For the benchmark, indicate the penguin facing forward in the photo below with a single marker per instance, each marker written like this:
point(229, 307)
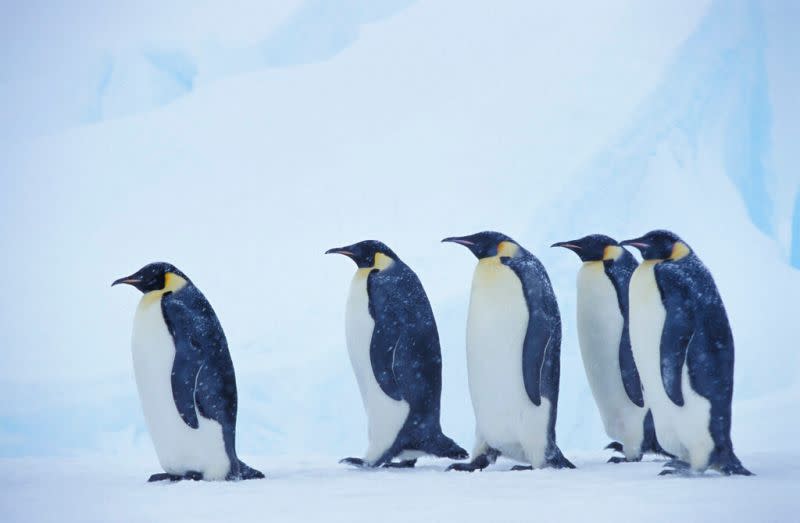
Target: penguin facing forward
point(602, 296)
point(185, 378)
point(394, 350)
point(513, 355)
point(683, 348)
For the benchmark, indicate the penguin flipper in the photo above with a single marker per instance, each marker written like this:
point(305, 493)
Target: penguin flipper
point(619, 272)
point(203, 379)
point(382, 354)
point(542, 346)
point(630, 375)
point(185, 368)
point(677, 333)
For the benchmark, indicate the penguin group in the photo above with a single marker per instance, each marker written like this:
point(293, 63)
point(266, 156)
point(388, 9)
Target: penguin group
point(654, 338)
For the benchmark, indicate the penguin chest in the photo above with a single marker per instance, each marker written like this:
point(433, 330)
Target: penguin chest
point(179, 447)
point(496, 328)
point(600, 325)
point(385, 415)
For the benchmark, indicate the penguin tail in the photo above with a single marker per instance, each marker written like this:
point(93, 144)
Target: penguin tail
point(247, 472)
point(444, 447)
point(556, 459)
point(728, 464)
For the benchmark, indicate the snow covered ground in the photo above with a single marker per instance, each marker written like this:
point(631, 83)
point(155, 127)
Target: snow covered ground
point(304, 489)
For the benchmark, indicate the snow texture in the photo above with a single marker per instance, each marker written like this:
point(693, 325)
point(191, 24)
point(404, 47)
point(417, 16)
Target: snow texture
point(311, 489)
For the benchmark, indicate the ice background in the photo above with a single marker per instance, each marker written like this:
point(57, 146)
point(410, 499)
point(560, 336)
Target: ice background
point(241, 140)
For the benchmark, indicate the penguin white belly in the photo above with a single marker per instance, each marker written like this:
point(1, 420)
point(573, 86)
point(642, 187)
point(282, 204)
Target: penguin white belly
point(385, 415)
point(681, 430)
point(179, 447)
point(506, 418)
point(600, 324)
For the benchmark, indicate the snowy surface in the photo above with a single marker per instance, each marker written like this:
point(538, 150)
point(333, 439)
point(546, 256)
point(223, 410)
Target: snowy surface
point(305, 489)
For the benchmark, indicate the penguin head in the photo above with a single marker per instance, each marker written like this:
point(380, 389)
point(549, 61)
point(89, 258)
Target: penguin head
point(487, 244)
point(660, 245)
point(158, 276)
point(367, 254)
point(595, 247)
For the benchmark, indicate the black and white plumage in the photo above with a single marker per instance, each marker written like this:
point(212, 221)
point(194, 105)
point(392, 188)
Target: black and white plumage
point(683, 347)
point(393, 344)
point(513, 355)
point(603, 334)
point(185, 378)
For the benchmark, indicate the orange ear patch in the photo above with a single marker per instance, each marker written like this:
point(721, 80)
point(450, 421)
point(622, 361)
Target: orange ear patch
point(382, 261)
point(612, 252)
point(679, 250)
point(507, 249)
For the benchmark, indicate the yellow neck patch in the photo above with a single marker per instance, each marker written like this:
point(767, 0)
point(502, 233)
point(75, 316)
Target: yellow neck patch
point(612, 252)
point(382, 261)
point(507, 249)
point(679, 250)
point(172, 283)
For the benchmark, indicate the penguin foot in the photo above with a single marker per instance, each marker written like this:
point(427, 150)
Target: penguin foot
point(615, 446)
point(623, 459)
point(676, 467)
point(479, 463)
point(673, 472)
point(521, 467)
point(404, 464)
point(165, 476)
point(677, 464)
point(355, 462)
point(466, 467)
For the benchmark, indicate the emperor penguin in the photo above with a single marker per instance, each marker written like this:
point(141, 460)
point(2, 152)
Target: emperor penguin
point(604, 340)
point(185, 378)
point(394, 350)
point(683, 348)
point(513, 355)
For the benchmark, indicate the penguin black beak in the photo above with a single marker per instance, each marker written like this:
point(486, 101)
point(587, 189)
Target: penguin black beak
point(130, 280)
point(458, 239)
point(635, 242)
point(567, 245)
point(340, 250)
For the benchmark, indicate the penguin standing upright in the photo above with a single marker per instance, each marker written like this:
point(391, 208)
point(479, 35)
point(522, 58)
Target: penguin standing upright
point(605, 344)
point(683, 347)
point(185, 378)
point(513, 355)
point(394, 349)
